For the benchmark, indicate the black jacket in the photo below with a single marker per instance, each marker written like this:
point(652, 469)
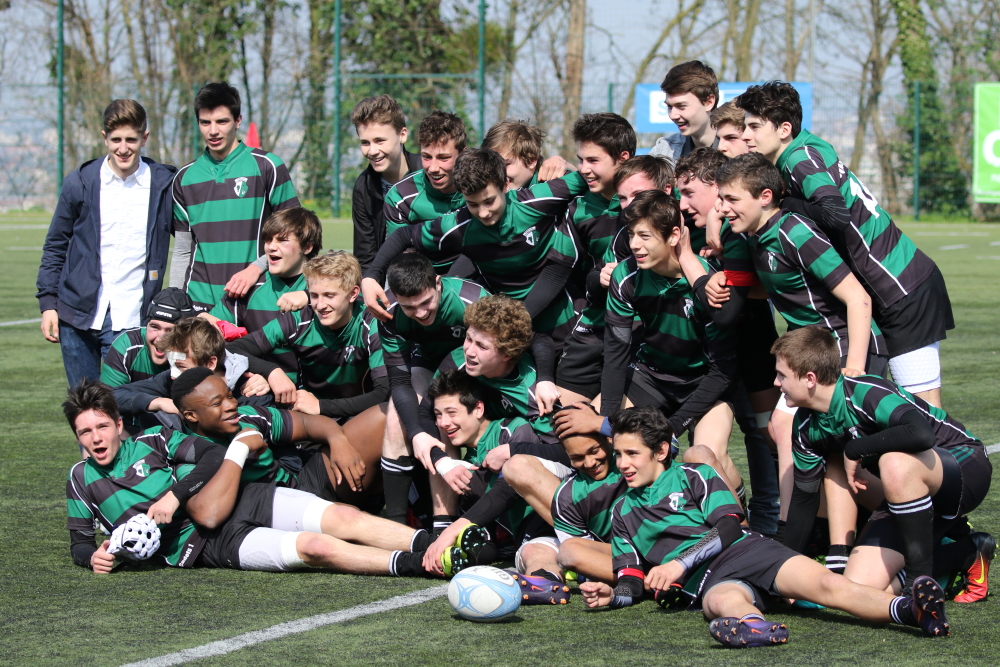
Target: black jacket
point(369, 221)
point(69, 278)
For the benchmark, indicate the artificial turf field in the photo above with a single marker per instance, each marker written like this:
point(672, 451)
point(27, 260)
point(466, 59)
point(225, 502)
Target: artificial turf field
point(55, 613)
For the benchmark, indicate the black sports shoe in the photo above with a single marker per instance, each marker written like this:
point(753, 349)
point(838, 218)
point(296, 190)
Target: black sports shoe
point(928, 607)
point(734, 632)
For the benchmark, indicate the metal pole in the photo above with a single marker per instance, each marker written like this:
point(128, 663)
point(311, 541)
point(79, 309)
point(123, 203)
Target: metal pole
point(60, 98)
point(195, 142)
point(916, 150)
point(336, 109)
point(482, 69)
point(611, 98)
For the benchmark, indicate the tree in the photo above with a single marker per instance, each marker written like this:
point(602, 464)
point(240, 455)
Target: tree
point(571, 74)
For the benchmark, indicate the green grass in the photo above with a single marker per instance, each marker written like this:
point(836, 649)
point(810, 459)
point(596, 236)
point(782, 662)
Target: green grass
point(54, 613)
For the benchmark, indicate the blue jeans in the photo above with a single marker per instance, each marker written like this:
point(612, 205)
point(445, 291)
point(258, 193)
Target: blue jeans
point(763, 505)
point(83, 349)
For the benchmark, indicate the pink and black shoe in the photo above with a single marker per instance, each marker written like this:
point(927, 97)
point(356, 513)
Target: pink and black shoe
point(539, 590)
point(750, 631)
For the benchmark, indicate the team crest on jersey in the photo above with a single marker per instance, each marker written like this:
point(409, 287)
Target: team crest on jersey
point(506, 403)
point(772, 261)
point(529, 235)
point(854, 432)
point(141, 469)
point(458, 332)
point(240, 188)
point(676, 500)
point(688, 308)
point(349, 353)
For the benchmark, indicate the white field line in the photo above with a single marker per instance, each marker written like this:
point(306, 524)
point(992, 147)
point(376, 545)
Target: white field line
point(10, 228)
point(957, 246)
point(993, 449)
point(14, 322)
point(292, 627)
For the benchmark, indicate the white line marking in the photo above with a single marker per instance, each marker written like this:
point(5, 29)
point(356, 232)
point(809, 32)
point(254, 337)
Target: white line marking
point(987, 256)
point(225, 646)
point(993, 449)
point(954, 247)
point(994, 242)
point(24, 247)
point(8, 228)
point(13, 322)
point(951, 234)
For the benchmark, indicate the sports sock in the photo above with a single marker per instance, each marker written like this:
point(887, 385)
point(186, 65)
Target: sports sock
point(420, 541)
point(547, 574)
point(442, 521)
point(752, 617)
point(836, 558)
point(407, 564)
point(397, 476)
point(901, 610)
point(741, 495)
point(915, 524)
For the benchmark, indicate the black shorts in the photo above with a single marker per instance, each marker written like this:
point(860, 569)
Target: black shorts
point(754, 335)
point(582, 361)
point(967, 476)
point(754, 562)
point(645, 390)
point(918, 319)
point(875, 365)
point(315, 479)
point(254, 509)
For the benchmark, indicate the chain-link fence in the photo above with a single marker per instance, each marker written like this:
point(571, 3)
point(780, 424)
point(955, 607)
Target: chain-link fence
point(880, 153)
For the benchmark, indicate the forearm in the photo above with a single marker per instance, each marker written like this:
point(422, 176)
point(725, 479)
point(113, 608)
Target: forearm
point(721, 537)
point(494, 504)
point(540, 450)
point(81, 548)
point(859, 319)
point(551, 281)
point(912, 435)
point(543, 350)
point(181, 259)
point(729, 314)
point(210, 457)
point(404, 398)
point(398, 242)
point(134, 398)
point(338, 408)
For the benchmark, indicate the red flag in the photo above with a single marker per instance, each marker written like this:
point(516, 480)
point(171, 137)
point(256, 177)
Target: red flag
point(253, 139)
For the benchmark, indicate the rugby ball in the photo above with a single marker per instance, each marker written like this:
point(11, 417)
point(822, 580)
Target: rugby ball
point(484, 594)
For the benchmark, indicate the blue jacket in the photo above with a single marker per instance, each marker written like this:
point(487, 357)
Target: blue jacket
point(69, 278)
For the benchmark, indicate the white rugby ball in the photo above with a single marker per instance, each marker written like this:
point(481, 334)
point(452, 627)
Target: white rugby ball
point(484, 594)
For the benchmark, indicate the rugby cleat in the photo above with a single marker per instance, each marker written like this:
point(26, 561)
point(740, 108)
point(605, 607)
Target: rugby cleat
point(928, 607)
point(975, 584)
point(472, 538)
point(672, 597)
point(454, 560)
point(539, 590)
point(734, 632)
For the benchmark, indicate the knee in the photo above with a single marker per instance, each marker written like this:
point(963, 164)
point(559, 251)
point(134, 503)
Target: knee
point(532, 552)
point(895, 468)
point(340, 514)
point(700, 454)
point(314, 546)
point(517, 468)
point(567, 557)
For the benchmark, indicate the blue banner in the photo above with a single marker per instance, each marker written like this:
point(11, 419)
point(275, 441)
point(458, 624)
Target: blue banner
point(651, 115)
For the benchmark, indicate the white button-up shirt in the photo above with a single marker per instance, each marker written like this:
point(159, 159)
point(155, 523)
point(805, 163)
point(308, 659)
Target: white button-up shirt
point(124, 219)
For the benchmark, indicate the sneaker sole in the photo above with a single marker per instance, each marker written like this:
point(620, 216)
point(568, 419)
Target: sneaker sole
point(734, 633)
point(929, 599)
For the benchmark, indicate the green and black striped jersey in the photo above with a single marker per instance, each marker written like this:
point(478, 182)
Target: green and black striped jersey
point(503, 432)
point(888, 264)
point(510, 396)
point(581, 506)
point(511, 254)
point(128, 360)
point(224, 205)
point(403, 338)
point(737, 262)
point(254, 310)
point(142, 472)
point(275, 426)
point(653, 525)
point(413, 201)
point(862, 406)
point(678, 335)
point(331, 364)
point(596, 222)
point(799, 268)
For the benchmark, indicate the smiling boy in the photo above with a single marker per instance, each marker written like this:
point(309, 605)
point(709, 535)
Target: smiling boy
point(692, 92)
point(520, 145)
point(382, 134)
point(221, 201)
point(427, 194)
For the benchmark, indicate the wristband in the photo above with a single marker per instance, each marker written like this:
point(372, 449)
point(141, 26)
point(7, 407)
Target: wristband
point(230, 331)
point(446, 465)
point(238, 453)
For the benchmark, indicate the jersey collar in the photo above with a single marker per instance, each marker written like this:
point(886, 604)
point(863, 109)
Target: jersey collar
point(797, 142)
